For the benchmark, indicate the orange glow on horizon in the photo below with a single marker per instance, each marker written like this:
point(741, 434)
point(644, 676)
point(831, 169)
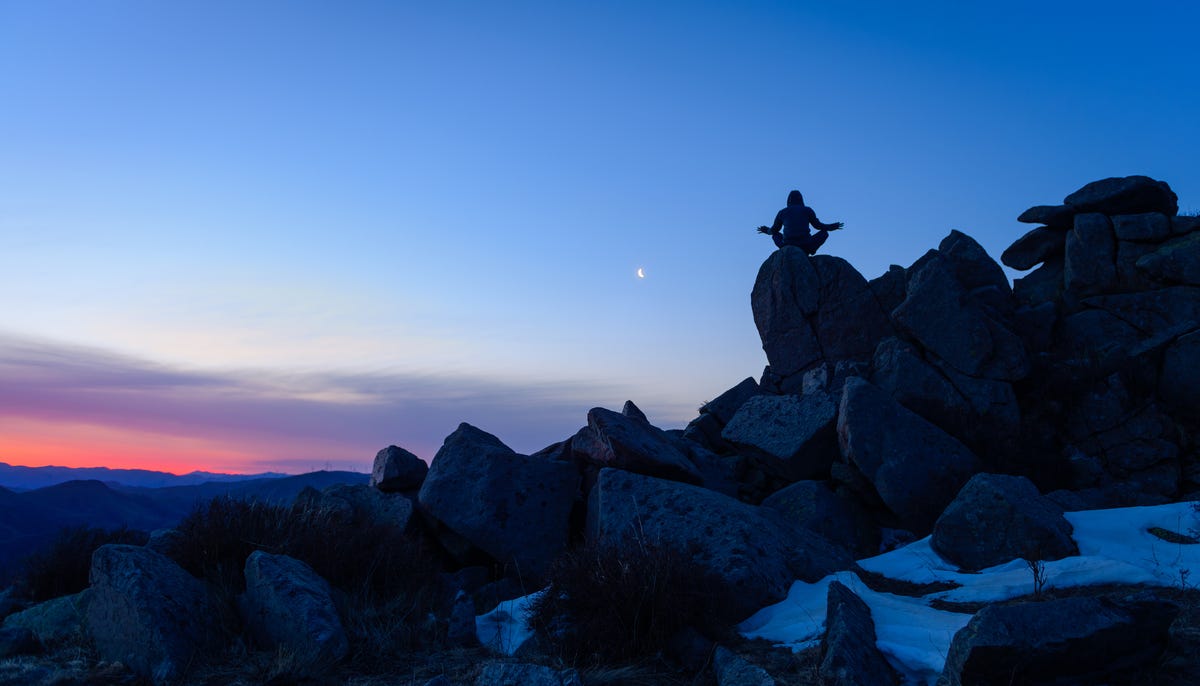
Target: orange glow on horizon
point(32, 443)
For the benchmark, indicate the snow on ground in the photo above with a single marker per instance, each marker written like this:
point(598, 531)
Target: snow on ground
point(1115, 547)
point(504, 629)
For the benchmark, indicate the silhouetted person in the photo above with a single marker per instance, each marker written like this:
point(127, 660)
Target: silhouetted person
point(794, 221)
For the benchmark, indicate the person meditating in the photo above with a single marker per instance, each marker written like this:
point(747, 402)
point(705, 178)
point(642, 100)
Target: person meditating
point(794, 220)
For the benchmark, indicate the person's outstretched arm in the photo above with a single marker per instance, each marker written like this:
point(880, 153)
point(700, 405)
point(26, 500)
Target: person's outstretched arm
point(817, 223)
point(774, 228)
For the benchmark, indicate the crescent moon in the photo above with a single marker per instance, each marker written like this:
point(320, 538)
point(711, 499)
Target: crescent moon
point(641, 273)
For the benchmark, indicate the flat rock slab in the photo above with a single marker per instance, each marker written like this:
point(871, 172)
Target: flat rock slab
point(1125, 195)
point(749, 555)
point(793, 435)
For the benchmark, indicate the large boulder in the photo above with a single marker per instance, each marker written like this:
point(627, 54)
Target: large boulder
point(996, 518)
point(524, 674)
point(1148, 226)
point(748, 553)
point(149, 614)
point(849, 656)
point(814, 310)
point(939, 314)
point(513, 507)
point(1081, 640)
point(612, 439)
point(793, 436)
point(1125, 195)
point(288, 606)
point(396, 469)
point(913, 466)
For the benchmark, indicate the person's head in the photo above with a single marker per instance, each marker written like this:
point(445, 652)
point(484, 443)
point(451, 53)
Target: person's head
point(794, 198)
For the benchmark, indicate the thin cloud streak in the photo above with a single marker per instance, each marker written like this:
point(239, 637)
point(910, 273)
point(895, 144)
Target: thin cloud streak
point(52, 382)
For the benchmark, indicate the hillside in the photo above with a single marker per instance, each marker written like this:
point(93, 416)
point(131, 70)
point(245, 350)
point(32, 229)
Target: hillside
point(20, 478)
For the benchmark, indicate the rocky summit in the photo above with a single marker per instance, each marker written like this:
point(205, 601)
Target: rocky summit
point(937, 398)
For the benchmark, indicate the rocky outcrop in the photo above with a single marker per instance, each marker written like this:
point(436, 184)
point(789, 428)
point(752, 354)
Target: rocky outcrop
point(53, 621)
point(362, 505)
point(839, 519)
point(523, 674)
point(149, 614)
point(513, 507)
point(749, 555)
point(814, 311)
point(1083, 640)
point(996, 518)
point(288, 606)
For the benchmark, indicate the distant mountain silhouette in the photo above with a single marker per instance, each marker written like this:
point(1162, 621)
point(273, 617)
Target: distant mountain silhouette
point(20, 478)
point(28, 519)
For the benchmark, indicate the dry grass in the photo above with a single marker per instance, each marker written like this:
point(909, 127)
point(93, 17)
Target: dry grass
point(62, 566)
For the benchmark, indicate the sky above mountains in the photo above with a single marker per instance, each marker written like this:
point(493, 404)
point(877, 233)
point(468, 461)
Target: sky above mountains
point(281, 236)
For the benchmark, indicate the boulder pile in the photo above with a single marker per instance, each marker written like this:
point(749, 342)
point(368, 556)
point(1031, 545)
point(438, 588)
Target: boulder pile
point(934, 399)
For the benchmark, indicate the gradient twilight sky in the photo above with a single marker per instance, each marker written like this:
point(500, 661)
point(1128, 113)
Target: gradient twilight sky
point(242, 236)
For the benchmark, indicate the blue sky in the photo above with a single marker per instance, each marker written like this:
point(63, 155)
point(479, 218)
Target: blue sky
point(399, 216)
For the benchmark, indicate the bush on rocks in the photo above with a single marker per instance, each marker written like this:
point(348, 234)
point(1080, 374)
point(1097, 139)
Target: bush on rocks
point(61, 567)
point(610, 604)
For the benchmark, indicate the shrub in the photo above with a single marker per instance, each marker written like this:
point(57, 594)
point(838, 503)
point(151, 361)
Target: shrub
point(62, 567)
point(606, 604)
point(372, 559)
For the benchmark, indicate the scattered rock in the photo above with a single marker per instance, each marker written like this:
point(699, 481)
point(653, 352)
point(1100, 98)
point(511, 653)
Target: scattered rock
point(514, 507)
point(149, 614)
point(849, 656)
point(367, 506)
point(396, 469)
point(996, 518)
point(288, 606)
